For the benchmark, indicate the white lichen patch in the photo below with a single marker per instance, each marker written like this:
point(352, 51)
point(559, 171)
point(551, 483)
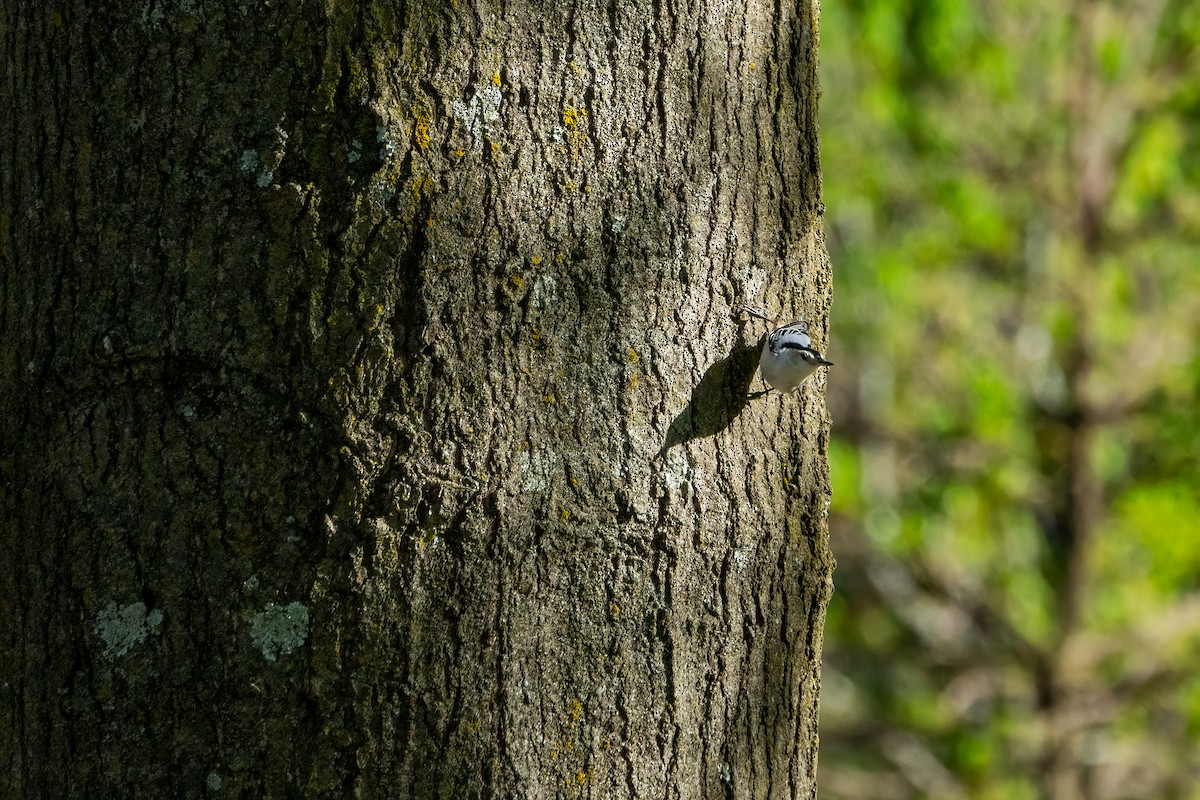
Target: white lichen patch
point(249, 161)
point(278, 630)
point(545, 290)
point(478, 113)
point(386, 142)
point(679, 472)
point(123, 627)
point(490, 98)
point(264, 165)
point(742, 557)
point(537, 470)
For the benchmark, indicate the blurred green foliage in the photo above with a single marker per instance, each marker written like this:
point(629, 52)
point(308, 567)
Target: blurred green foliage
point(1013, 195)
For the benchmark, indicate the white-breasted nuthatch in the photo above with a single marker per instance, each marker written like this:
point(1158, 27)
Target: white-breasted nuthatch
point(788, 357)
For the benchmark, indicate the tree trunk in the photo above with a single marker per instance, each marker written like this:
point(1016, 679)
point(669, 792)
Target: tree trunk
point(374, 416)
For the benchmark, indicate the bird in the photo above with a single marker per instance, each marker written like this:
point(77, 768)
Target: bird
point(788, 356)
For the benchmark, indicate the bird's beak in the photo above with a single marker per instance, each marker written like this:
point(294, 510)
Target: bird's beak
point(825, 363)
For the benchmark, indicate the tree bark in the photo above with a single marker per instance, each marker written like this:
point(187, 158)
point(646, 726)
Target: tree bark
point(374, 413)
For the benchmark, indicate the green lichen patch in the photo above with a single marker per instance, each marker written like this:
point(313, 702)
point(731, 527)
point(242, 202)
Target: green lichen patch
point(278, 630)
point(123, 627)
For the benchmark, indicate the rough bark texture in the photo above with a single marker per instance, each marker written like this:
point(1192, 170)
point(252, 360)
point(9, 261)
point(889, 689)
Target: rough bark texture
point(373, 415)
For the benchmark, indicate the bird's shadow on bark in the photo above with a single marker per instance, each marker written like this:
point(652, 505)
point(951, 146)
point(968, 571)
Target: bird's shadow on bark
point(718, 398)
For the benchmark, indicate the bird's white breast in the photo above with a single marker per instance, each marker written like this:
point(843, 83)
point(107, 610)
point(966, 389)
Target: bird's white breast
point(785, 371)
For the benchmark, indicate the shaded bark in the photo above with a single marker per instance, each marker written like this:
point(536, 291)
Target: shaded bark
point(354, 425)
